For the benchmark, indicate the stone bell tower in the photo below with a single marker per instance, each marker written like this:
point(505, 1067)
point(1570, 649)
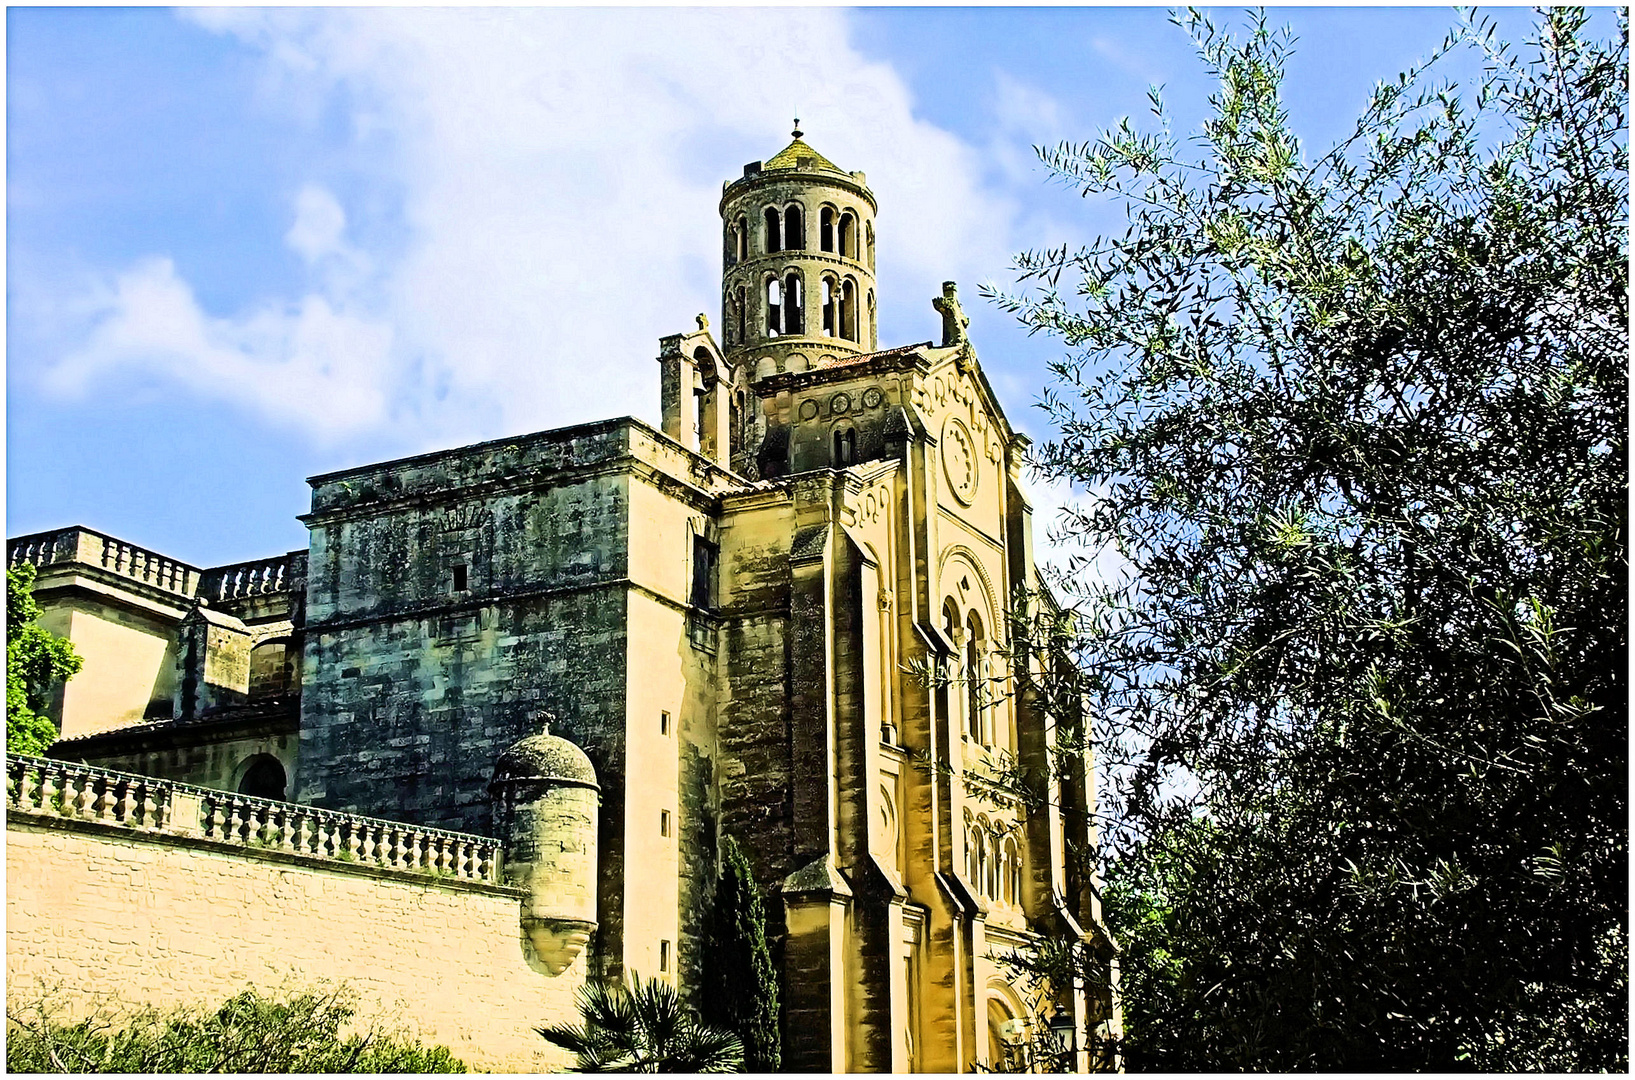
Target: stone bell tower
point(797, 281)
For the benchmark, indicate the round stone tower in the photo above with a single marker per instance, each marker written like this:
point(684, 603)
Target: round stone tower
point(545, 804)
point(797, 281)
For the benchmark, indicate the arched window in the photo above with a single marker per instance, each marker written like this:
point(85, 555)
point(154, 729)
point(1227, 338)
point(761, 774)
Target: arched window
point(848, 240)
point(830, 299)
point(845, 447)
point(772, 229)
point(1013, 864)
point(848, 310)
point(741, 314)
point(774, 311)
point(870, 338)
point(794, 231)
point(741, 237)
point(868, 234)
point(826, 228)
point(264, 779)
point(973, 675)
point(970, 854)
point(983, 860)
point(793, 308)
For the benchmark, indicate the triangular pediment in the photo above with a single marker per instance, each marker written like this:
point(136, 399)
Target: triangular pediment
point(953, 387)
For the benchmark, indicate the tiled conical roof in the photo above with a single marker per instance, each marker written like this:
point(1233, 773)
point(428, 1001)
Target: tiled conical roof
point(789, 157)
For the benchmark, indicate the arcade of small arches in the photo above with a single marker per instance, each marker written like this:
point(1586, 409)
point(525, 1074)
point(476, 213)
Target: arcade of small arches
point(839, 314)
point(784, 229)
point(993, 860)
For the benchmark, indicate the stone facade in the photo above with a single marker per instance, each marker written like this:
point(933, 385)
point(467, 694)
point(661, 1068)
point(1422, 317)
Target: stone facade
point(724, 615)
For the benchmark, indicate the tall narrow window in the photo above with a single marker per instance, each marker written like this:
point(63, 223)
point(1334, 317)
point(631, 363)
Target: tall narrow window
point(741, 312)
point(774, 310)
point(845, 447)
point(792, 306)
point(846, 238)
point(773, 227)
point(704, 559)
point(869, 337)
point(664, 823)
point(973, 675)
point(732, 245)
point(794, 230)
point(826, 228)
point(742, 236)
point(461, 584)
point(848, 310)
point(664, 723)
point(868, 233)
point(664, 956)
point(829, 300)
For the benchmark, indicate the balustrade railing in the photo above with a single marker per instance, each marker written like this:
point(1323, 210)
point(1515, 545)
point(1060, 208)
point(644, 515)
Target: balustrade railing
point(97, 549)
point(257, 578)
point(65, 789)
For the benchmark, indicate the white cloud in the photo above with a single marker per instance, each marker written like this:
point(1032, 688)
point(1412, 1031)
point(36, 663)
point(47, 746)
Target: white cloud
point(309, 366)
point(559, 171)
point(319, 224)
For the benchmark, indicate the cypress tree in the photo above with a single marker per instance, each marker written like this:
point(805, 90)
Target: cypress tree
point(740, 983)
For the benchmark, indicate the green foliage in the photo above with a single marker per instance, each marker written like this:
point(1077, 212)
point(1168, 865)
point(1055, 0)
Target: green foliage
point(643, 1030)
point(251, 1033)
point(740, 990)
point(35, 660)
point(1358, 426)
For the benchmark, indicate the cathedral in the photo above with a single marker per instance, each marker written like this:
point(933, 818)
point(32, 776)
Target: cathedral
point(720, 626)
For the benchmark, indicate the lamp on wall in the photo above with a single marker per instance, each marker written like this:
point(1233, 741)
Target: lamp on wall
point(1064, 1034)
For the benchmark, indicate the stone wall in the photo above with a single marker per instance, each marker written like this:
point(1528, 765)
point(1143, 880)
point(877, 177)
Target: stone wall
point(100, 912)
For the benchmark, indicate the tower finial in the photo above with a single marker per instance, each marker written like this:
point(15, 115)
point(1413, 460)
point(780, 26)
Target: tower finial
point(796, 132)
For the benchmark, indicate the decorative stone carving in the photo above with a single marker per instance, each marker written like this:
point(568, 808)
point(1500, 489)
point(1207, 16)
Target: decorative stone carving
point(960, 460)
point(840, 404)
point(808, 410)
point(873, 398)
point(954, 319)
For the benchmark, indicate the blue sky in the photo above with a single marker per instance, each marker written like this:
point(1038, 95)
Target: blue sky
point(248, 246)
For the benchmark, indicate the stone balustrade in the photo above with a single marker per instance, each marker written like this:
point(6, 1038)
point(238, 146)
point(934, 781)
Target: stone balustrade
point(281, 573)
point(92, 548)
point(61, 789)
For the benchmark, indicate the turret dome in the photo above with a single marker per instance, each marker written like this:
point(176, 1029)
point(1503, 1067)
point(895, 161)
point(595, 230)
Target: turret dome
point(544, 758)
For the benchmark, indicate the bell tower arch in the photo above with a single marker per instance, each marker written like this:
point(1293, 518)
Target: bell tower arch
point(797, 278)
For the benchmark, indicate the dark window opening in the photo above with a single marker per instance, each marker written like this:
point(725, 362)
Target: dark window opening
point(740, 312)
point(664, 956)
point(845, 447)
point(772, 229)
point(264, 779)
point(704, 559)
point(829, 307)
point(826, 229)
point(792, 318)
point(774, 313)
point(664, 723)
point(461, 583)
point(743, 239)
point(848, 310)
point(664, 823)
point(848, 241)
point(794, 232)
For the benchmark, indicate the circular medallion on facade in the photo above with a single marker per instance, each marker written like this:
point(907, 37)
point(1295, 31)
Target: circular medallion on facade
point(873, 398)
point(808, 410)
point(959, 459)
point(840, 404)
